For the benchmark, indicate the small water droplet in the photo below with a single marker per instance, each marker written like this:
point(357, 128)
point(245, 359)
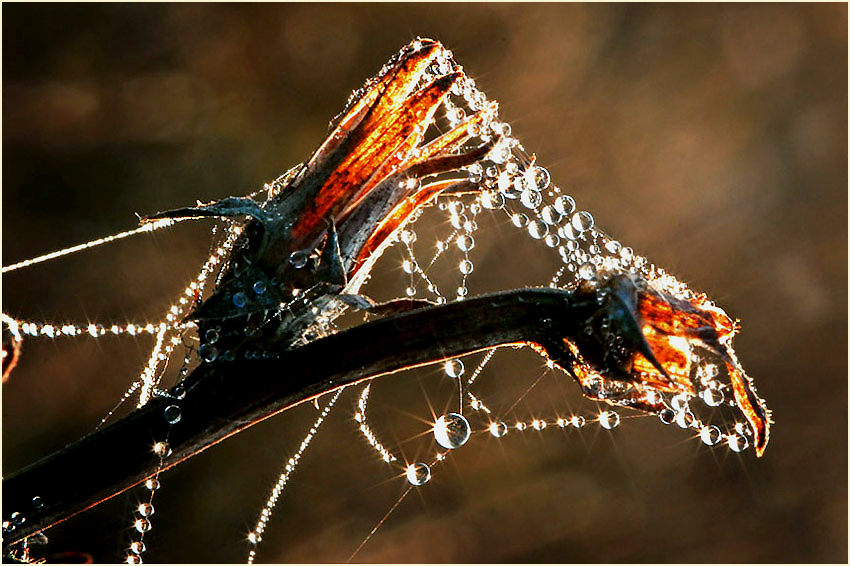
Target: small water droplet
point(410, 291)
point(679, 403)
point(498, 429)
point(684, 418)
point(466, 267)
point(537, 424)
point(552, 241)
point(587, 271)
point(17, 518)
point(454, 368)
point(208, 352)
point(613, 246)
point(299, 258)
point(407, 266)
point(609, 419)
point(627, 254)
point(578, 421)
point(230, 355)
point(134, 559)
point(142, 525)
point(172, 414)
point(451, 431)
point(667, 415)
point(475, 171)
point(408, 236)
point(582, 221)
point(550, 216)
point(492, 200)
point(145, 509)
point(152, 484)
point(259, 287)
point(240, 299)
point(418, 473)
point(37, 502)
point(540, 177)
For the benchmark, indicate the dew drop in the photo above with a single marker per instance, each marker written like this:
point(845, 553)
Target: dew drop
point(418, 473)
point(538, 229)
point(37, 502)
point(738, 442)
point(152, 484)
point(492, 200)
point(667, 415)
point(456, 207)
point(253, 538)
point(17, 518)
point(454, 368)
point(530, 198)
point(407, 266)
point(684, 418)
point(410, 291)
point(475, 171)
point(613, 246)
point(240, 299)
point(587, 271)
point(162, 449)
point(578, 421)
point(519, 219)
point(627, 254)
point(451, 431)
point(259, 287)
point(609, 419)
point(498, 429)
point(142, 525)
point(541, 177)
point(465, 242)
point(408, 236)
point(679, 403)
point(208, 353)
point(538, 424)
point(137, 547)
point(710, 435)
point(172, 414)
point(466, 267)
point(552, 241)
point(713, 397)
point(565, 204)
point(211, 336)
point(299, 258)
point(582, 221)
point(145, 509)
point(550, 215)
point(134, 559)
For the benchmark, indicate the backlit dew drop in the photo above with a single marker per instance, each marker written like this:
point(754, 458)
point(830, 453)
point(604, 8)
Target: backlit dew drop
point(451, 431)
point(492, 200)
point(565, 204)
point(465, 267)
point(152, 484)
point(498, 429)
point(738, 442)
point(577, 421)
point(710, 435)
point(37, 502)
point(240, 299)
point(667, 415)
point(550, 216)
point(520, 426)
point(142, 525)
point(537, 424)
point(299, 258)
point(253, 538)
point(408, 236)
point(454, 368)
point(145, 509)
point(418, 473)
point(465, 242)
point(208, 353)
point(137, 547)
point(410, 291)
point(172, 414)
point(530, 198)
point(211, 336)
point(582, 221)
point(587, 271)
point(713, 397)
point(541, 177)
point(134, 559)
point(519, 219)
point(538, 229)
point(684, 418)
point(259, 287)
point(162, 449)
point(609, 419)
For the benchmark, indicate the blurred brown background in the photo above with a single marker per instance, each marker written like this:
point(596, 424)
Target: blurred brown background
point(712, 139)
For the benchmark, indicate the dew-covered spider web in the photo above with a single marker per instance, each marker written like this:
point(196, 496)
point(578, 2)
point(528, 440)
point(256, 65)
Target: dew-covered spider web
point(505, 203)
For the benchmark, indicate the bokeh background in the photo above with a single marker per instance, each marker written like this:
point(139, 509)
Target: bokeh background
point(711, 138)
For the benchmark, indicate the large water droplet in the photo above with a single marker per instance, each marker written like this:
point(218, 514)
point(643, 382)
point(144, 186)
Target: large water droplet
point(498, 429)
point(454, 368)
point(530, 198)
point(738, 442)
point(540, 177)
point(466, 267)
point(451, 431)
point(407, 266)
point(609, 419)
point(713, 397)
point(519, 219)
point(550, 215)
point(145, 509)
point(418, 473)
point(208, 352)
point(492, 200)
point(172, 414)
